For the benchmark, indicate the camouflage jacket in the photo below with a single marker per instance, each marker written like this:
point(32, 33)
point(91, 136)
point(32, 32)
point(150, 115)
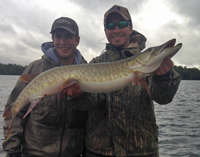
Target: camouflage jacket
point(125, 125)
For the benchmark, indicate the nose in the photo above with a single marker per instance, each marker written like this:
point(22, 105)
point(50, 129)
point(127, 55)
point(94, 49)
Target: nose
point(63, 40)
point(117, 29)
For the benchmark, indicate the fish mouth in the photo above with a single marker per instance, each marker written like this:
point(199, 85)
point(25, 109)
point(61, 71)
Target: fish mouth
point(170, 44)
point(155, 55)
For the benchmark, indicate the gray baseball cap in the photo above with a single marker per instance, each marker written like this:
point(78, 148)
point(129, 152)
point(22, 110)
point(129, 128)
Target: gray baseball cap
point(67, 24)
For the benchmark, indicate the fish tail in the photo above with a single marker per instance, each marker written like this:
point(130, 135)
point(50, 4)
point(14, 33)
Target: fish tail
point(9, 131)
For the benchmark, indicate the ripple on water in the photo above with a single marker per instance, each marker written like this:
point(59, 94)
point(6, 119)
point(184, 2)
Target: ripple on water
point(178, 122)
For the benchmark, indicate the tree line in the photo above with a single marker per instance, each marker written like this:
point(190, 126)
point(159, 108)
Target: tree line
point(11, 69)
point(186, 73)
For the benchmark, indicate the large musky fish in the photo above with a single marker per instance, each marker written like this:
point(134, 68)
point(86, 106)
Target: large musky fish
point(94, 78)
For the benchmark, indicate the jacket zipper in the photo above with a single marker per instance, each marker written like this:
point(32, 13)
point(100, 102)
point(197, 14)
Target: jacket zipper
point(63, 127)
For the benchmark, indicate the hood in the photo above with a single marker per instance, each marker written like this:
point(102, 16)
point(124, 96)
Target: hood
point(137, 44)
point(49, 50)
point(139, 38)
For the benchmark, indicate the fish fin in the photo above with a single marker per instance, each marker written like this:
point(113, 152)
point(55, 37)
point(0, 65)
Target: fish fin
point(32, 105)
point(28, 78)
point(8, 112)
point(143, 82)
point(63, 93)
point(137, 80)
point(68, 83)
point(9, 131)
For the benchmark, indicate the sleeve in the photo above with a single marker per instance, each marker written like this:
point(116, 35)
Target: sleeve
point(13, 144)
point(14, 155)
point(96, 60)
point(163, 88)
point(105, 57)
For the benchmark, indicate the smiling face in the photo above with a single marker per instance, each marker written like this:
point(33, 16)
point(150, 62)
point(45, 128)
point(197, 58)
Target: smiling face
point(65, 44)
point(118, 37)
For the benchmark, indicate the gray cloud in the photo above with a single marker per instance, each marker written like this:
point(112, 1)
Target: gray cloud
point(25, 25)
point(187, 8)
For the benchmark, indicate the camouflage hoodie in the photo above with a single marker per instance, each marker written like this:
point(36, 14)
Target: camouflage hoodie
point(126, 123)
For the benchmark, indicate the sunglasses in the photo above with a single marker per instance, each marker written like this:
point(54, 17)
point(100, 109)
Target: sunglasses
point(121, 24)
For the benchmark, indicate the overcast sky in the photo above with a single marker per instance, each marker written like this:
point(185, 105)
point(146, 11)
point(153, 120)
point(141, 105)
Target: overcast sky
point(25, 25)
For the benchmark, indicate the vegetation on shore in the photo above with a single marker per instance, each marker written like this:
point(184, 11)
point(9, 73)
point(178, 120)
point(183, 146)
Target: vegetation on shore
point(186, 73)
point(11, 69)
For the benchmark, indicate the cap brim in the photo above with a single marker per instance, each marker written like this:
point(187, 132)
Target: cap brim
point(125, 17)
point(67, 29)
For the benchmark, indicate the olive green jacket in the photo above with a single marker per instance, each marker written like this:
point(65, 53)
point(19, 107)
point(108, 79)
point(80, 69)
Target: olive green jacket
point(125, 125)
point(55, 127)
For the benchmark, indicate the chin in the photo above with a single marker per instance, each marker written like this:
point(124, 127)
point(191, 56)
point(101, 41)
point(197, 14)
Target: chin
point(117, 44)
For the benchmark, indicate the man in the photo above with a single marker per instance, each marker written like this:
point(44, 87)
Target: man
point(129, 125)
point(55, 127)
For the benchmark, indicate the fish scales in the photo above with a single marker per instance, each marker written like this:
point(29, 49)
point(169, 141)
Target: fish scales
point(94, 78)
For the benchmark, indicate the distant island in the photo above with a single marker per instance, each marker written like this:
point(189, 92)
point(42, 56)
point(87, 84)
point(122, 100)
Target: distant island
point(186, 73)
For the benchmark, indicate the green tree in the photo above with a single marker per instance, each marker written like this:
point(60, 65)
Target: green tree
point(11, 69)
point(188, 73)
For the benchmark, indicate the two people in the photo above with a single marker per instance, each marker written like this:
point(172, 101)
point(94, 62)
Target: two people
point(120, 123)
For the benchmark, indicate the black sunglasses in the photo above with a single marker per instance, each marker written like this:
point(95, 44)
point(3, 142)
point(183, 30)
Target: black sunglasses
point(121, 24)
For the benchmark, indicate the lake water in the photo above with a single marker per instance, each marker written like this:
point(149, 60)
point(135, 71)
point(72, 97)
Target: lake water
point(178, 122)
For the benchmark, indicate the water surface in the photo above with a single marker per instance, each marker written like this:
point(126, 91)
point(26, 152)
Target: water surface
point(178, 121)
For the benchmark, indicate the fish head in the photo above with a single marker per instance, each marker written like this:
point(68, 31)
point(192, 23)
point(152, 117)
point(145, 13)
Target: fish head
point(151, 59)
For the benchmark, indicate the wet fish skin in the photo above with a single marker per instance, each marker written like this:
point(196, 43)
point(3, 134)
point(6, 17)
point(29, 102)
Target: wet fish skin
point(94, 78)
